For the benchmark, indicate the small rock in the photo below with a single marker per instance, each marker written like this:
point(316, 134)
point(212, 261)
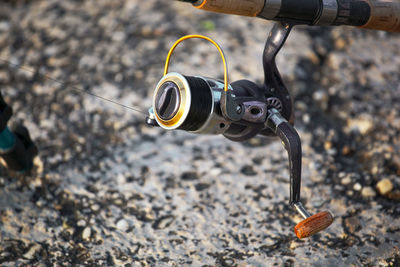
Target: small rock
point(201, 186)
point(357, 187)
point(81, 223)
point(328, 145)
point(86, 233)
point(33, 250)
point(37, 162)
point(322, 98)
point(294, 244)
point(346, 180)
point(215, 171)
point(340, 43)
point(368, 192)
point(374, 169)
point(396, 163)
point(346, 150)
point(313, 57)
point(122, 225)
point(352, 224)
point(363, 125)
point(384, 186)
point(255, 141)
point(146, 31)
point(163, 222)
point(189, 176)
point(95, 207)
point(248, 170)
point(334, 60)
point(394, 195)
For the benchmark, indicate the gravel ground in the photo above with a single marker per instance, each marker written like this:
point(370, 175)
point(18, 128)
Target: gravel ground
point(110, 191)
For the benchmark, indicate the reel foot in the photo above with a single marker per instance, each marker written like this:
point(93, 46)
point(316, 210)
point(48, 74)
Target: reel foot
point(313, 224)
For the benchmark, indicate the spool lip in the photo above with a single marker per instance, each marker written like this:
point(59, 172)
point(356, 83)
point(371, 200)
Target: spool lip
point(185, 101)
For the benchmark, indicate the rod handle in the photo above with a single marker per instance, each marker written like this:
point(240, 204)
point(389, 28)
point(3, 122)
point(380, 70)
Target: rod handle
point(250, 8)
point(385, 15)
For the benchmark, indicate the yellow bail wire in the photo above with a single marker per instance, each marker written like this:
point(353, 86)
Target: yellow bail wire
point(205, 38)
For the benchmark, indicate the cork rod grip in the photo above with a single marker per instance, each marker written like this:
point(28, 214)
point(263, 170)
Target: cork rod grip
point(250, 8)
point(385, 15)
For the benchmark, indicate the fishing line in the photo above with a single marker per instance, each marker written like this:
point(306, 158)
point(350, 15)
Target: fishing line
point(71, 87)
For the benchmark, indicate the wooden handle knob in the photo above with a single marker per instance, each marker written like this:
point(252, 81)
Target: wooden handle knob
point(313, 224)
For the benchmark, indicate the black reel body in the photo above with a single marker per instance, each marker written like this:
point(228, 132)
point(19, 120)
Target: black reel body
point(193, 103)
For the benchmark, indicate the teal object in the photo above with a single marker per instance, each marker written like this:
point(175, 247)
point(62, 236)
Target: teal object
point(7, 140)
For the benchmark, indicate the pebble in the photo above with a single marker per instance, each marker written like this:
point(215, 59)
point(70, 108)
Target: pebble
point(248, 170)
point(352, 224)
point(363, 125)
point(346, 180)
point(95, 207)
point(384, 186)
point(346, 150)
point(357, 187)
point(368, 192)
point(86, 233)
point(81, 223)
point(189, 176)
point(33, 250)
point(322, 98)
point(122, 225)
point(396, 163)
point(340, 43)
point(395, 195)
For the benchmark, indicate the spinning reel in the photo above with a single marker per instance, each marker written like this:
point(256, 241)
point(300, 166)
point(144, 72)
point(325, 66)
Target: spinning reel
point(239, 111)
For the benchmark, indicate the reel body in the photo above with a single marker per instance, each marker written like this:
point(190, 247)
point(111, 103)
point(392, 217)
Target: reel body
point(208, 106)
point(239, 111)
point(194, 104)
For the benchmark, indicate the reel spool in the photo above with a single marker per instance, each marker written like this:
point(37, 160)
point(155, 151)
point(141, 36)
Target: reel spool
point(239, 111)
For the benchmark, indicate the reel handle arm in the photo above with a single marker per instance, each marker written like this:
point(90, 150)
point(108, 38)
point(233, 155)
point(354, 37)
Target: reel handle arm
point(292, 143)
point(311, 224)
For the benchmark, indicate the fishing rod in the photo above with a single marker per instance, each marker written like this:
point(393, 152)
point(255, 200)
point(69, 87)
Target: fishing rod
point(243, 109)
point(369, 14)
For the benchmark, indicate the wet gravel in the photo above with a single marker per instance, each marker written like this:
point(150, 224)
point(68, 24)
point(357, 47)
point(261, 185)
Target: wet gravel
point(110, 191)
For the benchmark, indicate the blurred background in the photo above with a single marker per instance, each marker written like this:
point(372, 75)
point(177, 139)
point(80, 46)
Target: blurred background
point(111, 191)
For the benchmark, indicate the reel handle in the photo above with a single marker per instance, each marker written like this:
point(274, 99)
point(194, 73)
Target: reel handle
point(313, 224)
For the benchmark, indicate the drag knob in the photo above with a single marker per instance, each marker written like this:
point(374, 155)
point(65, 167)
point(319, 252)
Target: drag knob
point(313, 224)
point(167, 101)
